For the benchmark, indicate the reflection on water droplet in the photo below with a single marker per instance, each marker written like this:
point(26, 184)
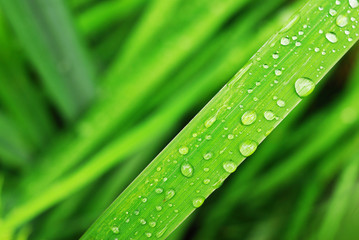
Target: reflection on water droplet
point(210, 121)
point(280, 103)
point(170, 193)
point(332, 37)
point(207, 156)
point(332, 12)
point(187, 170)
point(115, 230)
point(342, 21)
point(148, 235)
point(249, 117)
point(197, 202)
point(284, 41)
point(158, 190)
point(278, 72)
point(229, 166)
point(248, 147)
point(354, 3)
point(183, 150)
point(269, 115)
point(304, 87)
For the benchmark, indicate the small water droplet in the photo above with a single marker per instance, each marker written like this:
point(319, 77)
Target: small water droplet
point(278, 72)
point(183, 150)
point(354, 3)
point(159, 190)
point(187, 170)
point(152, 224)
point(115, 230)
point(229, 166)
point(248, 147)
point(143, 221)
point(284, 41)
point(148, 235)
point(280, 103)
point(249, 117)
point(170, 193)
point(304, 87)
point(275, 55)
point(230, 136)
point(197, 202)
point(342, 21)
point(269, 115)
point(144, 200)
point(332, 37)
point(332, 12)
point(207, 156)
point(206, 181)
point(158, 208)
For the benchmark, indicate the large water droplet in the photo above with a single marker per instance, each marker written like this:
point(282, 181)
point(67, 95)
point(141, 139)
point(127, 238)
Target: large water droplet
point(354, 3)
point(183, 150)
point(197, 202)
point(170, 193)
point(229, 166)
point(249, 117)
point(342, 21)
point(187, 170)
point(284, 41)
point(304, 87)
point(269, 115)
point(248, 147)
point(332, 37)
point(210, 121)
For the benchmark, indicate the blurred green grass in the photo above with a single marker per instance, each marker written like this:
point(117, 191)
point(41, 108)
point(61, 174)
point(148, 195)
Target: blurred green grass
point(80, 77)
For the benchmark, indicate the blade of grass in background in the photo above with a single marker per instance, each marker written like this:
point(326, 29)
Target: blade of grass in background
point(44, 29)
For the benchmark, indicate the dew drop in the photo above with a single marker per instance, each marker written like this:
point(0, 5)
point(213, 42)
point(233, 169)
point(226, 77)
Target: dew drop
point(275, 55)
point(304, 87)
point(280, 103)
point(229, 166)
point(207, 156)
point(278, 72)
point(284, 41)
point(248, 147)
point(148, 235)
point(187, 170)
point(249, 117)
point(170, 193)
point(197, 202)
point(143, 221)
point(332, 12)
point(115, 230)
point(332, 37)
point(152, 224)
point(210, 121)
point(159, 190)
point(354, 3)
point(342, 21)
point(183, 150)
point(158, 208)
point(206, 181)
point(269, 115)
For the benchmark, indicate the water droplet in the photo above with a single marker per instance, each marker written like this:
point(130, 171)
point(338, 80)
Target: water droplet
point(183, 150)
point(148, 235)
point(332, 12)
point(332, 37)
point(354, 3)
point(269, 115)
point(144, 200)
point(210, 121)
point(248, 147)
point(197, 202)
point(275, 55)
point(229, 166)
point(158, 208)
point(342, 21)
point(230, 136)
point(115, 230)
point(304, 87)
point(249, 117)
point(187, 170)
point(170, 193)
point(152, 224)
point(159, 190)
point(206, 181)
point(284, 41)
point(278, 72)
point(208, 156)
point(280, 103)
point(143, 221)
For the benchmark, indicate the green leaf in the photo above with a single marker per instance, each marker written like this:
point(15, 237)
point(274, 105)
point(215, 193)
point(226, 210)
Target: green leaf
point(232, 125)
